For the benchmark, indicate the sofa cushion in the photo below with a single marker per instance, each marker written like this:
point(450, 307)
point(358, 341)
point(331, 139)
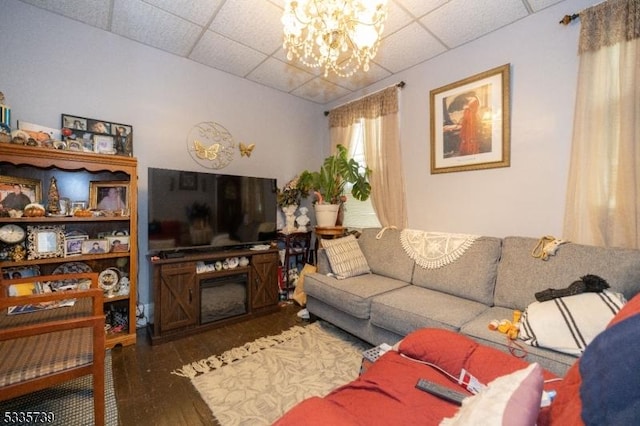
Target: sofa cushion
point(409, 308)
point(472, 276)
point(385, 255)
point(569, 324)
point(345, 257)
point(521, 275)
point(352, 295)
point(512, 399)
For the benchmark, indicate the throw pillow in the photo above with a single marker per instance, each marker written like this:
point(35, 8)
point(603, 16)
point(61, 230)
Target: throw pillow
point(569, 324)
point(345, 257)
point(513, 399)
point(298, 294)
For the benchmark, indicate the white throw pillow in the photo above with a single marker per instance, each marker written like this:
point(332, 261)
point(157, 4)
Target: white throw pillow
point(569, 324)
point(345, 257)
point(512, 400)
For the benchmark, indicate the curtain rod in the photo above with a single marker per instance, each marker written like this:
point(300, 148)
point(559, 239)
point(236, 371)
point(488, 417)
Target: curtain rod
point(400, 85)
point(566, 19)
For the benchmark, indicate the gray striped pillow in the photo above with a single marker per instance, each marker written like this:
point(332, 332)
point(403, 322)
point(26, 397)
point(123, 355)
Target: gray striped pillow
point(345, 257)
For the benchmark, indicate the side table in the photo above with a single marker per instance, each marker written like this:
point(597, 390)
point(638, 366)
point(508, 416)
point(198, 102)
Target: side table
point(327, 233)
point(371, 355)
point(296, 246)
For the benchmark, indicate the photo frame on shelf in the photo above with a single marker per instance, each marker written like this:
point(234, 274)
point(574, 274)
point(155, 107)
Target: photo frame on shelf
point(12, 197)
point(110, 196)
point(95, 247)
point(73, 245)
point(103, 144)
point(470, 123)
point(92, 131)
point(45, 241)
point(20, 272)
point(118, 243)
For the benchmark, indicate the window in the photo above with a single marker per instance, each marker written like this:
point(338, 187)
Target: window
point(358, 214)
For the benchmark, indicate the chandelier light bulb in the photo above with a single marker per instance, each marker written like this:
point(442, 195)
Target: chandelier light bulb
point(339, 36)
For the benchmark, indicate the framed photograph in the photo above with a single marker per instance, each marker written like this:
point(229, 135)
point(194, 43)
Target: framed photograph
point(99, 136)
point(45, 241)
point(95, 246)
point(74, 123)
point(20, 272)
point(188, 181)
point(110, 196)
point(73, 245)
point(470, 123)
point(16, 193)
point(118, 243)
point(103, 144)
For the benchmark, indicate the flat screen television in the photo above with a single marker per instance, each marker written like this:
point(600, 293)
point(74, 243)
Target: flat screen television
point(200, 211)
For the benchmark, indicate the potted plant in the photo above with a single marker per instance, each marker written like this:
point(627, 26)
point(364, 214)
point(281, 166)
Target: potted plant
point(328, 184)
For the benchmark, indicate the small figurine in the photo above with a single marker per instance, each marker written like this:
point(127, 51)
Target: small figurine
point(53, 207)
point(303, 220)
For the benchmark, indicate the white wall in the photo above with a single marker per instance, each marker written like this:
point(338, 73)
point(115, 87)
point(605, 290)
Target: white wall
point(528, 197)
point(53, 65)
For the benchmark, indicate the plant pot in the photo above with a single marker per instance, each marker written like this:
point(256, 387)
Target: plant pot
point(326, 214)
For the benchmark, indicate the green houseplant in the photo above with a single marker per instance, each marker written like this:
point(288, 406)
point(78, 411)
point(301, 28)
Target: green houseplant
point(328, 184)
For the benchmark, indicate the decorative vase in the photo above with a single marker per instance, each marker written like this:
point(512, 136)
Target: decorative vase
point(326, 214)
point(290, 217)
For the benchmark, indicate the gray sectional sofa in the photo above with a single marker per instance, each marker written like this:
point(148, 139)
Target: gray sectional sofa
point(494, 277)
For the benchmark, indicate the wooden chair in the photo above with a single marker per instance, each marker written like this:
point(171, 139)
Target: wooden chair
point(47, 347)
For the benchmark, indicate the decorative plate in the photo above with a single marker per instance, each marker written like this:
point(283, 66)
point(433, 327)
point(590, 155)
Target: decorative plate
point(108, 279)
point(72, 268)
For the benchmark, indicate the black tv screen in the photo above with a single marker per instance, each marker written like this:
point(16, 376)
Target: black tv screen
point(209, 210)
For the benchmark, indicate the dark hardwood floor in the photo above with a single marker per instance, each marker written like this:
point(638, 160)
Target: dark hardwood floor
point(146, 391)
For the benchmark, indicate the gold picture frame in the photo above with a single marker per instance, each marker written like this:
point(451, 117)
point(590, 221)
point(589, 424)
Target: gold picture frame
point(32, 188)
point(470, 123)
point(111, 196)
point(45, 241)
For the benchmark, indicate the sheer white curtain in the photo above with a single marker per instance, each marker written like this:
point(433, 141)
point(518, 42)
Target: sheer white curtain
point(378, 115)
point(603, 193)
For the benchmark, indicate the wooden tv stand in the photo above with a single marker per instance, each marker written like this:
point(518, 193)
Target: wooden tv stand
point(177, 286)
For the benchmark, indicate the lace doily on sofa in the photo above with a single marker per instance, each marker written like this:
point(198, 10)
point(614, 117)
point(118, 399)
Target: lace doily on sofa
point(432, 250)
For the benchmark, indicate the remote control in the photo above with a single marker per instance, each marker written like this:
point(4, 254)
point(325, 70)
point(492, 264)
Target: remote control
point(441, 391)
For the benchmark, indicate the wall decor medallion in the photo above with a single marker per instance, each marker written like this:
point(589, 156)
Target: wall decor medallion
point(211, 145)
point(470, 123)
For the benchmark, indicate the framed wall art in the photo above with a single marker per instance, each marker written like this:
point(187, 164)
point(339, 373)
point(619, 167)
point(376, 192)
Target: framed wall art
point(45, 241)
point(16, 193)
point(108, 137)
point(110, 196)
point(470, 123)
point(95, 247)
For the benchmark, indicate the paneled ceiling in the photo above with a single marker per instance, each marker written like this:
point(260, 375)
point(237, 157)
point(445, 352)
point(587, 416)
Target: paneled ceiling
point(244, 37)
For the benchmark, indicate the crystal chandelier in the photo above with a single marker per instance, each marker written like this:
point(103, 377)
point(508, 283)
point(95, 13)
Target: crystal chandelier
point(337, 35)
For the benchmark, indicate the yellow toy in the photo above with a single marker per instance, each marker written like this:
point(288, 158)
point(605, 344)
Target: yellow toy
point(510, 328)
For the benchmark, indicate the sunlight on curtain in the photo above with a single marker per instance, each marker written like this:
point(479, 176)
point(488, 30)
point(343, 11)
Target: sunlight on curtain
point(378, 116)
point(603, 192)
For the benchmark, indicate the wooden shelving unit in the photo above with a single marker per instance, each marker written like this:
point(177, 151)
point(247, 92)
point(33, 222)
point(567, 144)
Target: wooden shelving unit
point(74, 171)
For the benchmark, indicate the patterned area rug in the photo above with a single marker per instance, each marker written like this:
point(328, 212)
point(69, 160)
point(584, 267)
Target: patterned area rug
point(259, 388)
point(71, 403)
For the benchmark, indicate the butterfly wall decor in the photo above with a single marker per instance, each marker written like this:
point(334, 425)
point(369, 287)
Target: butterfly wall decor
point(211, 145)
point(206, 153)
point(245, 150)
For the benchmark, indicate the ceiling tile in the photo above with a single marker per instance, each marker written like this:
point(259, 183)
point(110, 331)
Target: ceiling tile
point(471, 19)
point(279, 75)
point(92, 12)
point(537, 5)
point(199, 12)
point(407, 47)
point(320, 91)
point(149, 25)
point(251, 22)
point(360, 79)
point(227, 55)
point(396, 19)
point(420, 7)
